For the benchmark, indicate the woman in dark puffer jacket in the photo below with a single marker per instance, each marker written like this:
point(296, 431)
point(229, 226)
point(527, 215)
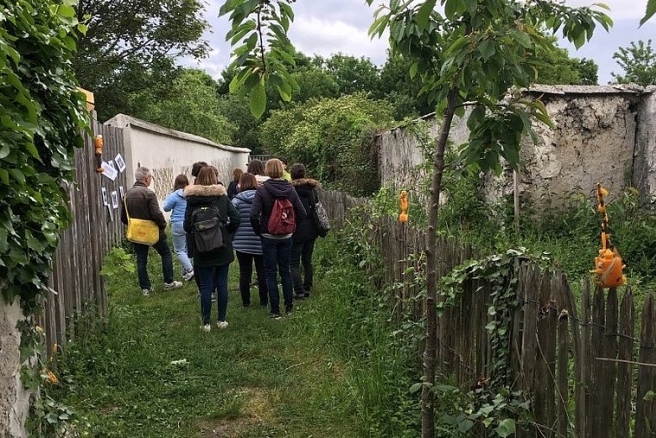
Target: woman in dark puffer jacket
point(247, 244)
point(305, 234)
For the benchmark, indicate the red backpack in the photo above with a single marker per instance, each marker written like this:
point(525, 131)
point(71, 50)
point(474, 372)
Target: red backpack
point(283, 218)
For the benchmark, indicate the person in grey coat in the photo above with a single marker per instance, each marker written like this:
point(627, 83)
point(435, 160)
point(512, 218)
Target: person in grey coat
point(247, 244)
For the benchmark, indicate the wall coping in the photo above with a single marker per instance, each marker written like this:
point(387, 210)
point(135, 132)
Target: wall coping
point(125, 121)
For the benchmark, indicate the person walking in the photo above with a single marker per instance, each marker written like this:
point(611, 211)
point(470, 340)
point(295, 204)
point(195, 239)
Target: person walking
point(247, 244)
point(233, 187)
point(276, 248)
point(177, 204)
point(211, 267)
point(141, 203)
point(305, 235)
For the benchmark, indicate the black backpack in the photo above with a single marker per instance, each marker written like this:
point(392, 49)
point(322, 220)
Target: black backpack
point(207, 227)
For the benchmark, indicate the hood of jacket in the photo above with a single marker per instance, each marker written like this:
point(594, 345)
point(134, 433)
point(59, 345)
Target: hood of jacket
point(313, 183)
point(278, 188)
point(246, 196)
point(203, 191)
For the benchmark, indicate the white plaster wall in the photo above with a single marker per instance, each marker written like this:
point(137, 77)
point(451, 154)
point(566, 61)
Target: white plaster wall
point(168, 153)
point(14, 400)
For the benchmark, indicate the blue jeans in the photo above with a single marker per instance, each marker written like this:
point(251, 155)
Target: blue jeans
point(180, 246)
point(276, 254)
point(210, 278)
point(162, 248)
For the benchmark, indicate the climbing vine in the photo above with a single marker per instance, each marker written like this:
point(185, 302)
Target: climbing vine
point(41, 117)
point(496, 405)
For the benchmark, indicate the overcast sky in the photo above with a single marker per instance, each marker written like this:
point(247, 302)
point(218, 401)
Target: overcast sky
point(326, 27)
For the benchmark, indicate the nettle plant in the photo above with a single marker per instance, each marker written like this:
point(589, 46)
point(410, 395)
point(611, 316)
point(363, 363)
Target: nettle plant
point(42, 115)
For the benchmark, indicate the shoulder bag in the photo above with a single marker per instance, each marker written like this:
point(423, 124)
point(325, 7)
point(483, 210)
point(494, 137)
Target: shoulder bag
point(320, 216)
point(143, 231)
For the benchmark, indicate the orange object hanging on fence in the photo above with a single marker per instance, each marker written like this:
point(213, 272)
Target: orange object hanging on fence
point(98, 145)
point(403, 217)
point(609, 266)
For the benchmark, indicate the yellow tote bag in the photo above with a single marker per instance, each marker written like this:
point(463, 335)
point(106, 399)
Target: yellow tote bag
point(142, 231)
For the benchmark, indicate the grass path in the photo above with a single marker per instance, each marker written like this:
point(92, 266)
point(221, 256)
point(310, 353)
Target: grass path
point(151, 372)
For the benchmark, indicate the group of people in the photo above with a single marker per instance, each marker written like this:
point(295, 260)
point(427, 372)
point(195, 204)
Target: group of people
point(244, 210)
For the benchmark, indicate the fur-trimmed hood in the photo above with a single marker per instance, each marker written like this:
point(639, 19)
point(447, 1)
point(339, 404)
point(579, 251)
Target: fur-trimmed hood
point(199, 190)
point(305, 181)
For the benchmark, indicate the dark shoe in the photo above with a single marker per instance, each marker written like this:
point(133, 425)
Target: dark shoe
point(300, 296)
point(289, 310)
point(275, 316)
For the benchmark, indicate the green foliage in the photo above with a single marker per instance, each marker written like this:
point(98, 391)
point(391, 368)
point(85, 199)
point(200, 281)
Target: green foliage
point(557, 68)
point(118, 263)
point(353, 75)
point(332, 137)
point(131, 46)
point(257, 25)
point(42, 115)
point(190, 104)
point(475, 52)
point(638, 62)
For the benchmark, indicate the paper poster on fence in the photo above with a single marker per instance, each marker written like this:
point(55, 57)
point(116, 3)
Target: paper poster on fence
point(121, 190)
point(104, 196)
point(109, 171)
point(120, 163)
point(114, 200)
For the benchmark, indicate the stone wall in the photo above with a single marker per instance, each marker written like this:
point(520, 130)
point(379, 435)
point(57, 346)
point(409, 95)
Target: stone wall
point(14, 400)
point(602, 134)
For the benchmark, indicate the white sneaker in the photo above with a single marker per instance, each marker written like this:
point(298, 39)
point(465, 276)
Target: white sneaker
point(206, 327)
point(173, 285)
point(222, 324)
point(145, 292)
point(188, 276)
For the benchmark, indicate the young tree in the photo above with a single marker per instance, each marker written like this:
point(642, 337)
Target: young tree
point(469, 51)
point(638, 62)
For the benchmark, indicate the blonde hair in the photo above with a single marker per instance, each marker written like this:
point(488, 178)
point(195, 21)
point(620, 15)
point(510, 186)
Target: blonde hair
point(273, 168)
point(206, 176)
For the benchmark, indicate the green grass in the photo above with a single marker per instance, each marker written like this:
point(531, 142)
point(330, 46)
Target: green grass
point(147, 370)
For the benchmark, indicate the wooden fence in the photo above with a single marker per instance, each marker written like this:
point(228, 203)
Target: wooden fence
point(94, 229)
point(588, 369)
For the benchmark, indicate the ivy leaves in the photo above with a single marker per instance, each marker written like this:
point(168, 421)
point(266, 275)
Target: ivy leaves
point(41, 117)
point(262, 50)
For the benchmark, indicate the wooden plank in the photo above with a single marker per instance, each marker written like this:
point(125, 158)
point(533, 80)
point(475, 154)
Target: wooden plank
point(596, 349)
point(607, 369)
point(625, 369)
point(562, 372)
point(583, 361)
point(544, 383)
point(529, 339)
point(645, 421)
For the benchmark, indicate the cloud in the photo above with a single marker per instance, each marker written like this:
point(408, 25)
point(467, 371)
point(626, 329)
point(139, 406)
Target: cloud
point(312, 35)
point(619, 9)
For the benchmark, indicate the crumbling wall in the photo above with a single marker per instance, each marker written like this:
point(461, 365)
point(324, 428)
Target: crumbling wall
point(14, 400)
point(596, 137)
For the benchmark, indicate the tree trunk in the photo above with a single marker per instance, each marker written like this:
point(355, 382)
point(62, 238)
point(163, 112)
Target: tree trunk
point(430, 349)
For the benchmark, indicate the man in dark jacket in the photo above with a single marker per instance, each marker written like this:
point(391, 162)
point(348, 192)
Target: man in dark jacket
point(142, 204)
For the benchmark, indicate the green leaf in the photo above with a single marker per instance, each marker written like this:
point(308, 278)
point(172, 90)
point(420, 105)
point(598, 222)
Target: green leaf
point(506, 427)
point(424, 13)
point(487, 49)
point(649, 12)
point(413, 69)
point(258, 99)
